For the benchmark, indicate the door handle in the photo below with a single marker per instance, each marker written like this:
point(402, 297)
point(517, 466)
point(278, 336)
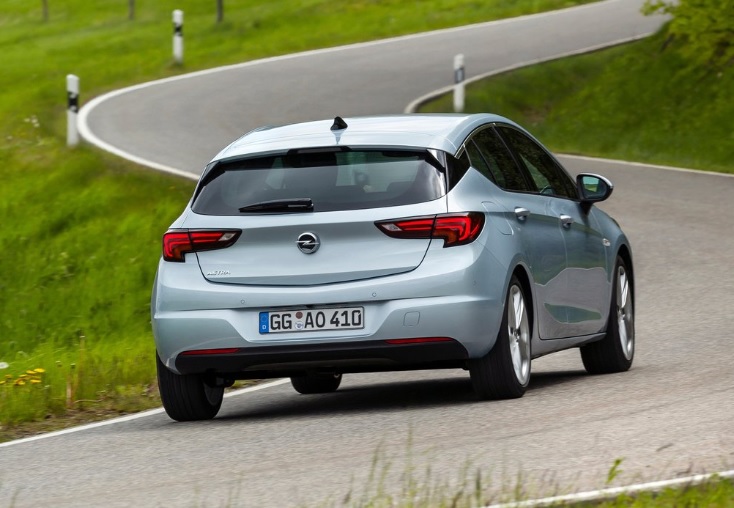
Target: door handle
point(566, 220)
point(521, 213)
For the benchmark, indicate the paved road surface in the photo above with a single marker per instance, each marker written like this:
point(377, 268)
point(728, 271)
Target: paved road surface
point(670, 415)
point(184, 123)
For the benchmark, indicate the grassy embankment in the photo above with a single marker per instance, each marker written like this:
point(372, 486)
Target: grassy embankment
point(636, 102)
point(81, 229)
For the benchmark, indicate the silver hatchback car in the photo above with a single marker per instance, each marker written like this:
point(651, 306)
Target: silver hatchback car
point(387, 243)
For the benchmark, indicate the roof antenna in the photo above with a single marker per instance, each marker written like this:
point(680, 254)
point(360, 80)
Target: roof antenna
point(339, 124)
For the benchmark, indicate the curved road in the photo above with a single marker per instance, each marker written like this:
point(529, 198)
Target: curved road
point(671, 415)
point(184, 121)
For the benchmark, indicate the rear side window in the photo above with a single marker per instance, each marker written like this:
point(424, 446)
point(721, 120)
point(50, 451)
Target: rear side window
point(499, 161)
point(333, 180)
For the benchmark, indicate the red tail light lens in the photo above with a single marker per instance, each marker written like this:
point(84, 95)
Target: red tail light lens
point(454, 228)
point(177, 242)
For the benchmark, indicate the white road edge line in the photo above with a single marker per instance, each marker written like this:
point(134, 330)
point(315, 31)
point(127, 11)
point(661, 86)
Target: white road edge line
point(135, 416)
point(606, 494)
point(643, 165)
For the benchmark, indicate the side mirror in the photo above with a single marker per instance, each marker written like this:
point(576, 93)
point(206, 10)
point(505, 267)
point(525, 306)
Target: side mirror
point(593, 188)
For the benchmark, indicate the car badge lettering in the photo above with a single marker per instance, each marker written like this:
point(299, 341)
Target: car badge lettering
point(308, 243)
point(218, 273)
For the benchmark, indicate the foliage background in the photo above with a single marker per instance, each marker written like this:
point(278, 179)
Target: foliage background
point(704, 27)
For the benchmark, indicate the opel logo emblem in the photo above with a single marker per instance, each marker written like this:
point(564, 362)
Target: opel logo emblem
point(308, 243)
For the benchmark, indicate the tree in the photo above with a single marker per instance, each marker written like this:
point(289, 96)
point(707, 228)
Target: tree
point(705, 28)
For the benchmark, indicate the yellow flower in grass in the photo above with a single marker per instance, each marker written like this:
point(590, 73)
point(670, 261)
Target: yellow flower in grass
point(19, 382)
point(8, 376)
point(2, 381)
point(31, 372)
point(35, 381)
point(23, 376)
point(39, 371)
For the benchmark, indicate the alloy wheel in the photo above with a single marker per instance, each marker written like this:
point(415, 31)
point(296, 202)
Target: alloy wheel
point(625, 318)
point(519, 334)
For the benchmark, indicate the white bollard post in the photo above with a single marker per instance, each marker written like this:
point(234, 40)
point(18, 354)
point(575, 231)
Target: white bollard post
point(72, 108)
point(459, 83)
point(178, 45)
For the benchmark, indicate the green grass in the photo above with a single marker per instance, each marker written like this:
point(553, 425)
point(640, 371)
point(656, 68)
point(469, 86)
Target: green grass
point(81, 229)
point(634, 102)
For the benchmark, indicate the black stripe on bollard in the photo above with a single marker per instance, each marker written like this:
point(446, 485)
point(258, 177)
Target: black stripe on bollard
point(459, 75)
point(72, 101)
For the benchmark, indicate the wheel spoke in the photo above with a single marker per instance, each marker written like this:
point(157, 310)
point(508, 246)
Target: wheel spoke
point(516, 358)
point(519, 310)
point(622, 325)
point(622, 291)
point(624, 314)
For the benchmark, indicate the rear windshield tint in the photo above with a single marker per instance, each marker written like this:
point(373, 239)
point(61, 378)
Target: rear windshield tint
point(344, 180)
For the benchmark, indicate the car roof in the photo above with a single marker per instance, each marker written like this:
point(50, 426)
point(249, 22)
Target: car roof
point(437, 131)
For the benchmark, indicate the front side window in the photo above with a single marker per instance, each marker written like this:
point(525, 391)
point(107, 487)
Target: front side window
point(331, 180)
point(549, 178)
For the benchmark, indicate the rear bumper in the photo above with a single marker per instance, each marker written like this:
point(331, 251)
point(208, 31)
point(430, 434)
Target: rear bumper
point(344, 357)
point(457, 293)
point(469, 320)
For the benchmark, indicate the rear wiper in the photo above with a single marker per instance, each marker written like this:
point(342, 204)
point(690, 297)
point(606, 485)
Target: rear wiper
point(281, 205)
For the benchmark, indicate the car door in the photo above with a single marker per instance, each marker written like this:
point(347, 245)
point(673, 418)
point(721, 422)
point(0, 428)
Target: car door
point(527, 213)
point(579, 295)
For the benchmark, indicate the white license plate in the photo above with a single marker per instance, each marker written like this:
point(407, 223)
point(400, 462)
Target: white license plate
point(310, 320)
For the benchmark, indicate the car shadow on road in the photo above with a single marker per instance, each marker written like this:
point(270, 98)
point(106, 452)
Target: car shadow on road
point(540, 381)
point(393, 396)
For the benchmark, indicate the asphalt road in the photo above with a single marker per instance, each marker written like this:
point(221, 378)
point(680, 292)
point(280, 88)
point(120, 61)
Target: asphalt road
point(670, 415)
point(183, 123)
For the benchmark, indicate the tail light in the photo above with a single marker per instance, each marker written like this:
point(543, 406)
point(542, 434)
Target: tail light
point(453, 228)
point(177, 242)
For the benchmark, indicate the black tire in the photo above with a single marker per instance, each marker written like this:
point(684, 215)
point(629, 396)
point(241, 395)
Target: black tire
point(615, 352)
point(494, 376)
point(189, 397)
point(316, 383)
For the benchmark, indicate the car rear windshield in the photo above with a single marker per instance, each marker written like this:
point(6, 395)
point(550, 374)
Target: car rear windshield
point(331, 180)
